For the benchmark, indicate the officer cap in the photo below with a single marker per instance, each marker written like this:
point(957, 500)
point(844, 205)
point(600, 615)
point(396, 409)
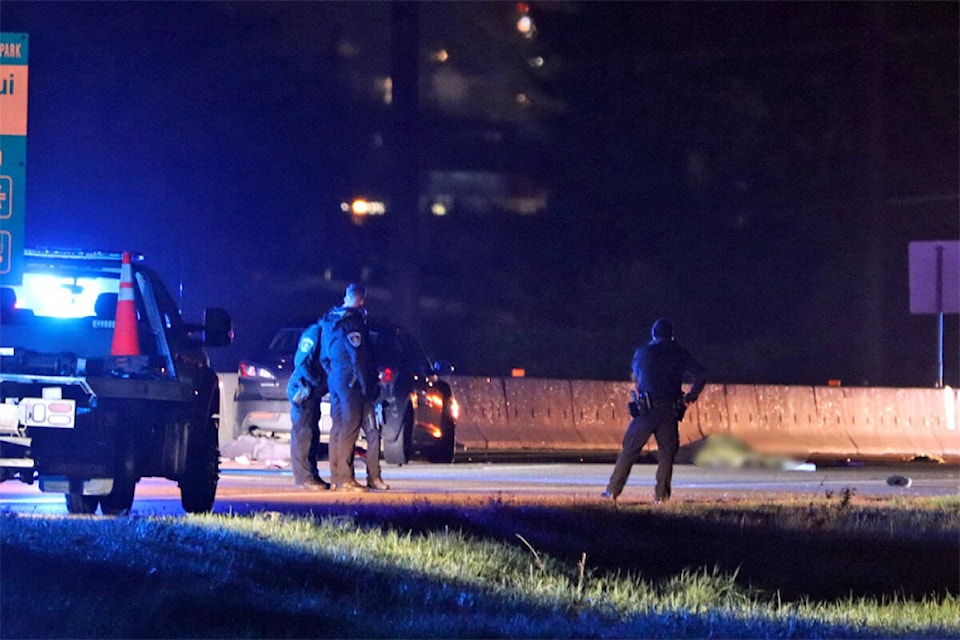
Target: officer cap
point(662, 329)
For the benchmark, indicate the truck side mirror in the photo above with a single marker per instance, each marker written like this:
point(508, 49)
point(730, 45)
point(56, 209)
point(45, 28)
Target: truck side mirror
point(217, 327)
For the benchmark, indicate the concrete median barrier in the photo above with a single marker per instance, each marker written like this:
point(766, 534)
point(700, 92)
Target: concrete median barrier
point(540, 415)
point(707, 416)
point(600, 412)
point(743, 412)
point(528, 414)
point(482, 410)
point(787, 421)
point(930, 420)
point(875, 422)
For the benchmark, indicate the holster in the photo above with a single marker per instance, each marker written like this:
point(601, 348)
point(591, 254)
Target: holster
point(639, 404)
point(302, 393)
point(681, 408)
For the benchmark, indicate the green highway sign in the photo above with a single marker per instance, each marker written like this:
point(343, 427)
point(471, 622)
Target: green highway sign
point(14, 75)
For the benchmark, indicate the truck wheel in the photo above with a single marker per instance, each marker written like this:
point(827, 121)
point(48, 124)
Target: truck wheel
point(79, 504)
point(198, 482)
point(119, 501)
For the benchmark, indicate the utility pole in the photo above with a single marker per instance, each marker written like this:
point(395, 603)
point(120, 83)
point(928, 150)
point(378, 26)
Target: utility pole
point(874, 45)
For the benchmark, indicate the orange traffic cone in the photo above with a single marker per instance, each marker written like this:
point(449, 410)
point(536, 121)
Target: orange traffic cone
point(125, 341)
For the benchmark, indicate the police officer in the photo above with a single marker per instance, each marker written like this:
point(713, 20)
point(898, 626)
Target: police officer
point(659, 368)
point(346, 358)
point(306, 387)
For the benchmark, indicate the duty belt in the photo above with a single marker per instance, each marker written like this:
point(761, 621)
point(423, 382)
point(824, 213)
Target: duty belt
point(659, 401)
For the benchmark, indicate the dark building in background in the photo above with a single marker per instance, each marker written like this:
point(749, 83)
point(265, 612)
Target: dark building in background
point(539, 180)
point(756, 170)
point(446, 225)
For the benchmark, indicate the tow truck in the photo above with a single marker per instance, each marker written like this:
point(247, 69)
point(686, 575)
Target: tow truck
point(82, 417)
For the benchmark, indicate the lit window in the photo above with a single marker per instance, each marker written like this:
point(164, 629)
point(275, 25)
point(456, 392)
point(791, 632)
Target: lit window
point(361, 207)
point(384, 89)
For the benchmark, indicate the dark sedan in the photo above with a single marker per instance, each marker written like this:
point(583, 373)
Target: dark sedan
point(416, 407)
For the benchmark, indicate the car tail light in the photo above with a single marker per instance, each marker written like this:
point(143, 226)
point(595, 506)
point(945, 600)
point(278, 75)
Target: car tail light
point(249, 370)
point(434, 400)
point(386, 374)
point(262, 415)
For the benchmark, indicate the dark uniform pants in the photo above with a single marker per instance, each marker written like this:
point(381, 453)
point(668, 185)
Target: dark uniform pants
point(305, 439)
point(346, 412)
point(661, 422)
point(371, 431)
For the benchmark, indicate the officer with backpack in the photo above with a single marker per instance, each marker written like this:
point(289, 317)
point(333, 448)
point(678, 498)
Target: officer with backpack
point(307, 385)
point(347, 359)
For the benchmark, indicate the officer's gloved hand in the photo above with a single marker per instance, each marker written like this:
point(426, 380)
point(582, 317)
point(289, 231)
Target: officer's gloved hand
point(690, 398)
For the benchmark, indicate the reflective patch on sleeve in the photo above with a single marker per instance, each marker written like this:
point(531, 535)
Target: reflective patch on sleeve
point(306, 344)
point(355, 338)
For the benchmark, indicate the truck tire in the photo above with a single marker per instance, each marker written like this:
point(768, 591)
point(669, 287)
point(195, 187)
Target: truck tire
point(119, 501)
point(198, 482)
point(79, 504)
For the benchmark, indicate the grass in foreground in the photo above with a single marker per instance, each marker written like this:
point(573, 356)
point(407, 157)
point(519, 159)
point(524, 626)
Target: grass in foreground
point(278, 576)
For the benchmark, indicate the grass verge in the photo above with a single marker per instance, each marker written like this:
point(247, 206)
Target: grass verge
point(481, 571)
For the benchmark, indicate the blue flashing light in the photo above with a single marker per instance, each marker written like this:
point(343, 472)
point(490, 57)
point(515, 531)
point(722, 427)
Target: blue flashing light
point(53, 296)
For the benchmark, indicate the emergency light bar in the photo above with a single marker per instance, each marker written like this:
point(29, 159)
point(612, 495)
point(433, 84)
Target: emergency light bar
point(79, 254)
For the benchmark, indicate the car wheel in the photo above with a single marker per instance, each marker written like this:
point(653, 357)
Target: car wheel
point(198, 482)
point(443, 451)
point(79, 504)
point(400, 450)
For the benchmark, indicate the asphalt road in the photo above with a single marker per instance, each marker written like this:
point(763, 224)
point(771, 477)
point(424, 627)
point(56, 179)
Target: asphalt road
point(246, 488)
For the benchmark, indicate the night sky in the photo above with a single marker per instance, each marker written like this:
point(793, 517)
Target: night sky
point(753, 170)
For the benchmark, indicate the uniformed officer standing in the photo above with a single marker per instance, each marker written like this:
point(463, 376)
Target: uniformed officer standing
point(307, 385)
point(345, 357)
point(659, 368)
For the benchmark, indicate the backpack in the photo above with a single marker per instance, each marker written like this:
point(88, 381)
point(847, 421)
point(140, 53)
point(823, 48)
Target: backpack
point(299, 389)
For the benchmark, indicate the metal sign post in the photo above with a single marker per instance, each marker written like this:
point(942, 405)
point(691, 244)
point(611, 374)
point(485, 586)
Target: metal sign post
point(935, 284)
